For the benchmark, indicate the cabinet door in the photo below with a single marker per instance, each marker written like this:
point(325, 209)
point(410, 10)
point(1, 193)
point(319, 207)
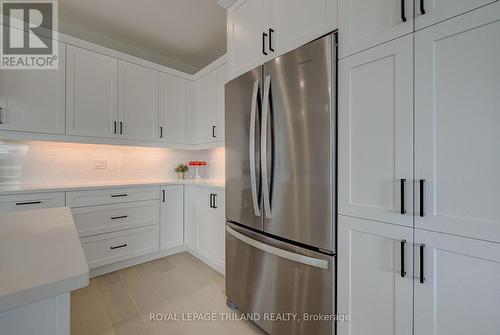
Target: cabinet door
point(191, 217)
point(138, 102)
point(219, 120)
point(172, 216)
point(296, 22)
point(364, 24)
point(34, 100)
point(457, 123)
point(376, 133)
point(203, 117)
point(247, 20)
point(371, 286)
point(460, 293)
point(172, 109)
point(429, 12)
point(91, 93)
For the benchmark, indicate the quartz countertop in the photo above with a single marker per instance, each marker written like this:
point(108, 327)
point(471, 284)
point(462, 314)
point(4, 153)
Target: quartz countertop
point(69, 186)
point(40, 256)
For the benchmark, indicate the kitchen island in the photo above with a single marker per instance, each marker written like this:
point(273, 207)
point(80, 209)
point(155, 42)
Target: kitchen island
point(41, 262)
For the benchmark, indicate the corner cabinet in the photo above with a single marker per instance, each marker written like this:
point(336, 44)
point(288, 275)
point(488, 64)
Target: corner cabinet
point(34, 100)
point(172, 109)
point(259, 30)
point(171, 216)
point(205, 224)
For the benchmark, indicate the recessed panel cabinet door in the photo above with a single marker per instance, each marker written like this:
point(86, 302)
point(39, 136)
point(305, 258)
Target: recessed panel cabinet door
point(34, 100)
point(203, 115)
point(374, 284)
point(172, 109)
point(91, 93)
point(247, 20)
point(364, 24)
point(219, 123)
point(376, 133)
point(296, 22)
point(138, 102)
point(460, 290)
point(428, 12)
point(457, 125)
point(171, 216)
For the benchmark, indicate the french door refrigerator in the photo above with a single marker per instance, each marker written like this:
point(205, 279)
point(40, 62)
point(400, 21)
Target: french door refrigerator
point(280, 123)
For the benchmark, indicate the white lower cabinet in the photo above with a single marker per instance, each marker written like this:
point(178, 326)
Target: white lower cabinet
point(372, 287)
point(205, 223)
point(460, 290)
point(171, 216)
point(20, 202)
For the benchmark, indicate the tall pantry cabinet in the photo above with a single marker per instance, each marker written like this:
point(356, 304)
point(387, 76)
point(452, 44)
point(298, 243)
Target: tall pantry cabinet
point(418, 183)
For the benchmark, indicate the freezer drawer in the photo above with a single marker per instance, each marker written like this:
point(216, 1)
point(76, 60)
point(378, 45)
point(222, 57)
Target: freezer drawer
point(267, 276)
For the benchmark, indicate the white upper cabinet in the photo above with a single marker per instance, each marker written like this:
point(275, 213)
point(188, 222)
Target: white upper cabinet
point(33, 100)
point(296, 22)
point(428, 12)
point(247, 22)
point(138, 102)
point(457, 125)
point(91, 93)
point(364, 24)
point(172, 109)
point(171, 216)
point(375, 278)
point(219, 120)
point(460, 290)
point(376, 133)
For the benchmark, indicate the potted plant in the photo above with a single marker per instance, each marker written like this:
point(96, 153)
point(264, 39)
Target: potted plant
point(181, 170)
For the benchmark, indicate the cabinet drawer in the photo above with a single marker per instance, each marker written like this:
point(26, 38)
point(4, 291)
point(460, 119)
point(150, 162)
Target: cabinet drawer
point(111, 196)
point(114, 247)
point(11, 203)
point(95, 220)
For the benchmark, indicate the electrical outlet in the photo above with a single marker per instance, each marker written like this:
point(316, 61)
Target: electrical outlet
point(100, 164)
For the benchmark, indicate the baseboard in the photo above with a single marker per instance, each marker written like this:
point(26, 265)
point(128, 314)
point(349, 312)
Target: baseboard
point(214, 265)
point(99, 271)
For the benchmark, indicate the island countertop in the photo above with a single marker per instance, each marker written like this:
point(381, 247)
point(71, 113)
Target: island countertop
point(40, 256)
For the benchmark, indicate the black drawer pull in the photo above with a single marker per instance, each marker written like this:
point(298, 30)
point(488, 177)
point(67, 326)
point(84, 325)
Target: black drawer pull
point(422, 278)
point(403, 272)
point(215, 201)
point(119, 217)
point(403, 184)
point(119, 246)
point(422, 190)
point(28, 203)
point(119, 195)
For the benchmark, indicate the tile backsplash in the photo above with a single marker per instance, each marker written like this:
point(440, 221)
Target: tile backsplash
point(30, 162)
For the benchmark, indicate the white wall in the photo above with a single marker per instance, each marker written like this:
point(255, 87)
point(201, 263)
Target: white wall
point(29, 162)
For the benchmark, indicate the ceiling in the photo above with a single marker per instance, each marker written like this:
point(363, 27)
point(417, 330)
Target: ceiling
point(182, 34)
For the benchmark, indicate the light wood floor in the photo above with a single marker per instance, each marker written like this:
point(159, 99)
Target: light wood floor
point(120, 303)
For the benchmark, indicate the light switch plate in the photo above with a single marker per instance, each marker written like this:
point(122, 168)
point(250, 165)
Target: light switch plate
point(100, 164)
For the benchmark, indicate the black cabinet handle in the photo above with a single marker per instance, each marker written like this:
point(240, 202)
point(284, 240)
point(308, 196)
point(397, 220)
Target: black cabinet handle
point(271, 31)
point(422, 190)
point(114, 127)
point(119, 217)
point(1, 110)
point(422, 278)
point(163, 196)
point(403, 272)
point(403, 15)
point(264, 35)
point(118, 195)
point(422, 9)
point(28, 203)
point(403, 184)
point(215, 201)
point(213, 131)
point(119, 246)
point(211, 200)
point(161, 132)
point(121, 127)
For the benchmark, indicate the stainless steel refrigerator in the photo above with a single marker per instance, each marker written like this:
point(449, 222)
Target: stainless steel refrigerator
point(280, 123)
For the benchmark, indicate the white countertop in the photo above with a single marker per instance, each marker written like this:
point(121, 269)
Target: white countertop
point(27, 188)
point(40, 256)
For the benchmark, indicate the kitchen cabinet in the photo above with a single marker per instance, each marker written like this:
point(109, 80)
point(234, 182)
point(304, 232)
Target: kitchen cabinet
point(91, 93)
point(457, 125)
point(137, 102)
point(375, 125)
point(260, 30)
point(460, 290)
point(172, 109)
point(430, 12)
point(364, 24)
point(21, 202)
point(34, 100)
point(205, 225)
point(171, 216)
point(375, 285)
point(221, 73)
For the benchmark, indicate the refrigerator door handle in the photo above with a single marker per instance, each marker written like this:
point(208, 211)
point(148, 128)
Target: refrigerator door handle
point(311, 261)
point(253, 176)
point(263, 148)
